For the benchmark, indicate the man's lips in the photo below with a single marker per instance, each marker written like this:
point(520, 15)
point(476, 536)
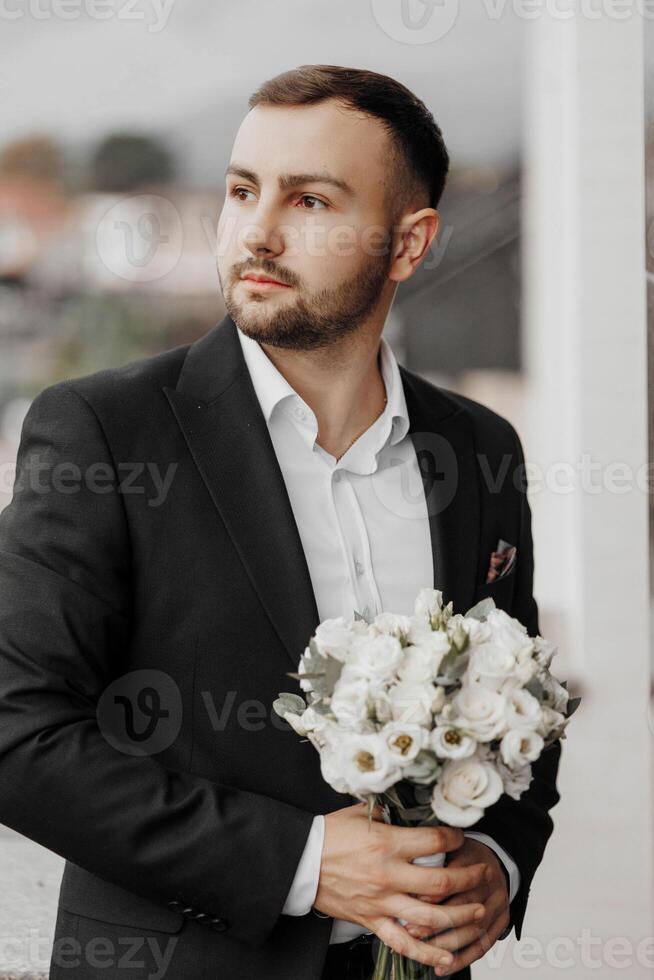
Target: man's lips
point(263, 283)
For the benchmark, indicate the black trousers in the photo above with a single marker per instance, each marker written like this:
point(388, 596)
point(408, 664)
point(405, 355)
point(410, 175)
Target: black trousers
point(350, 961)
point(356, 961)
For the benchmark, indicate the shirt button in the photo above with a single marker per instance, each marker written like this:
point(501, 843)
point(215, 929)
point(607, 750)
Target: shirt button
point(358, 567)
point(299, 413)
point(337, 476)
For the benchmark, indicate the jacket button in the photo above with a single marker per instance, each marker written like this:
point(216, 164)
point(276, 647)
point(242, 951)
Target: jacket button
point(175, 906)
point(189, 910)
point(218, 925)
point(201, 917)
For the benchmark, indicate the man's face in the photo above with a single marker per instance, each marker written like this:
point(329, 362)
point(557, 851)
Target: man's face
point(327, 242)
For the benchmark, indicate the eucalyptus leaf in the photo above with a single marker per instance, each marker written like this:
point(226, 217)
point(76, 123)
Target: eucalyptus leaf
point(417, 812)
point(573, 704)
point(481, 608)
point(455, 667)
point(535, 687)
point(323, 672)
point(292, 703)
point(423, 769)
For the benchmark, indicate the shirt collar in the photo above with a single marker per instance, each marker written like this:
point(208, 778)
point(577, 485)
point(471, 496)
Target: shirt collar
point(275, 394)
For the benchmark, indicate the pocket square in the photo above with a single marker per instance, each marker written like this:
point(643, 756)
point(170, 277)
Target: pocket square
point(501, 560)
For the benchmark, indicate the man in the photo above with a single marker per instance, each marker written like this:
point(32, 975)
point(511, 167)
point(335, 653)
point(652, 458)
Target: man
point(226, 497)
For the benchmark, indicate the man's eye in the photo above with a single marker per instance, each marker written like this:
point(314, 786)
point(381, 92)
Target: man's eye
point(310, 197)
point(235, 191)
point(317, 204)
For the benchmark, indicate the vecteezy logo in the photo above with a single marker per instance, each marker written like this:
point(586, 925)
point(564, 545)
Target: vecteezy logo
point(140, 713)
point(415, 21)
point(140, 238)
point(420, 479)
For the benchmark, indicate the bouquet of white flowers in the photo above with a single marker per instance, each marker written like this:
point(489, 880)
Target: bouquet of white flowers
point(431, 716)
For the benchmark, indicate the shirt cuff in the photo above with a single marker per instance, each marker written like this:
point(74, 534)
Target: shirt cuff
point(304, 888)
point(511, 867)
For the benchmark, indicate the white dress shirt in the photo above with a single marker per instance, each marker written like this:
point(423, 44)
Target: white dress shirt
point(364, 528)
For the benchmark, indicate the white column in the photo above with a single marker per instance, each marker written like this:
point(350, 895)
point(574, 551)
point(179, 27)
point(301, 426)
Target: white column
point(586, 361)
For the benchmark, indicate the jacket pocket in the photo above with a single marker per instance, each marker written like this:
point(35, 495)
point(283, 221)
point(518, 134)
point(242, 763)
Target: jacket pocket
point(85, 894)
point(501, 590)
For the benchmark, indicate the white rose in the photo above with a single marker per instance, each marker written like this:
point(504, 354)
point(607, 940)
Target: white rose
point(330, 768)
point(392, 624)
point(420, 664)
point(367, 765)
point(516, 781)
point(556, 696)
point(491, 665)
point(403, 741)
point(333, 638)
point(551, 721)
point(519, 748)
point(465, 788)
point(437, 643)
point(376, 658)
point(349, 703)
point(543, 651)
point(413, 703)
point(509, 633)
point(523, 710)
point(449, 742)
point(428, 604)
point(480, 710)
point(477, 629)
point(419, 628)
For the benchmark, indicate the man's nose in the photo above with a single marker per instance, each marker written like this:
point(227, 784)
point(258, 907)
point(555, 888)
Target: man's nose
point(264, 235)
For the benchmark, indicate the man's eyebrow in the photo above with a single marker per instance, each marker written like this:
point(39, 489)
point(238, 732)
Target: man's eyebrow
point(287, 181)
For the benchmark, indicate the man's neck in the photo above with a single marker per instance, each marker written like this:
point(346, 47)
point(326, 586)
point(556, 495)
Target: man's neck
point(344, 388)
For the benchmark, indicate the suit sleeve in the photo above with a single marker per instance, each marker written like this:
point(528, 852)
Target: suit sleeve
point(523, 827)
point(64, 625)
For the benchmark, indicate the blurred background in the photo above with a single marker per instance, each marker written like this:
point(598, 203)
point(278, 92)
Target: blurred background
point(116, 127)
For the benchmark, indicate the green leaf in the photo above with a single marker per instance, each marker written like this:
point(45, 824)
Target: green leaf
point(323, 672)
point(481, 608)
point(535, 687)
point(289, 702)
point(452, 667)
point(573, 704)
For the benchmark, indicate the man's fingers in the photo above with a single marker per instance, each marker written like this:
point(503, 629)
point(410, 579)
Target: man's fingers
point(468, 954)
point(412, 842)
point(480, 894)
point(442, 882)
point(436, 918)
point(452, 939)
point(399, 940)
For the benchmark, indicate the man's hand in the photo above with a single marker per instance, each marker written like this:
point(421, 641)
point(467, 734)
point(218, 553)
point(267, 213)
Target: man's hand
point(366, 876)
point(473, 940)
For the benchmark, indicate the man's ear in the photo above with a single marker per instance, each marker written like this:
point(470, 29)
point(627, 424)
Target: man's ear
point(415, 233)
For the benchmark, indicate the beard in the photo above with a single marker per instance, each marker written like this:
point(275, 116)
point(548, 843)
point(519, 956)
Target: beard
point(318, 321)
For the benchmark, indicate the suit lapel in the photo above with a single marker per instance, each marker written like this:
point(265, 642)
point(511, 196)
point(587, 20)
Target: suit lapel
point(443, 438)
point(217, 409)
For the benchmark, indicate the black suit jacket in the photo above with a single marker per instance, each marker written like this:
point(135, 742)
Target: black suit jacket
point(180, 856)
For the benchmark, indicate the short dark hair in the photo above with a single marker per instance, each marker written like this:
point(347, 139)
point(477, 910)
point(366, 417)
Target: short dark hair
point(419, 158)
